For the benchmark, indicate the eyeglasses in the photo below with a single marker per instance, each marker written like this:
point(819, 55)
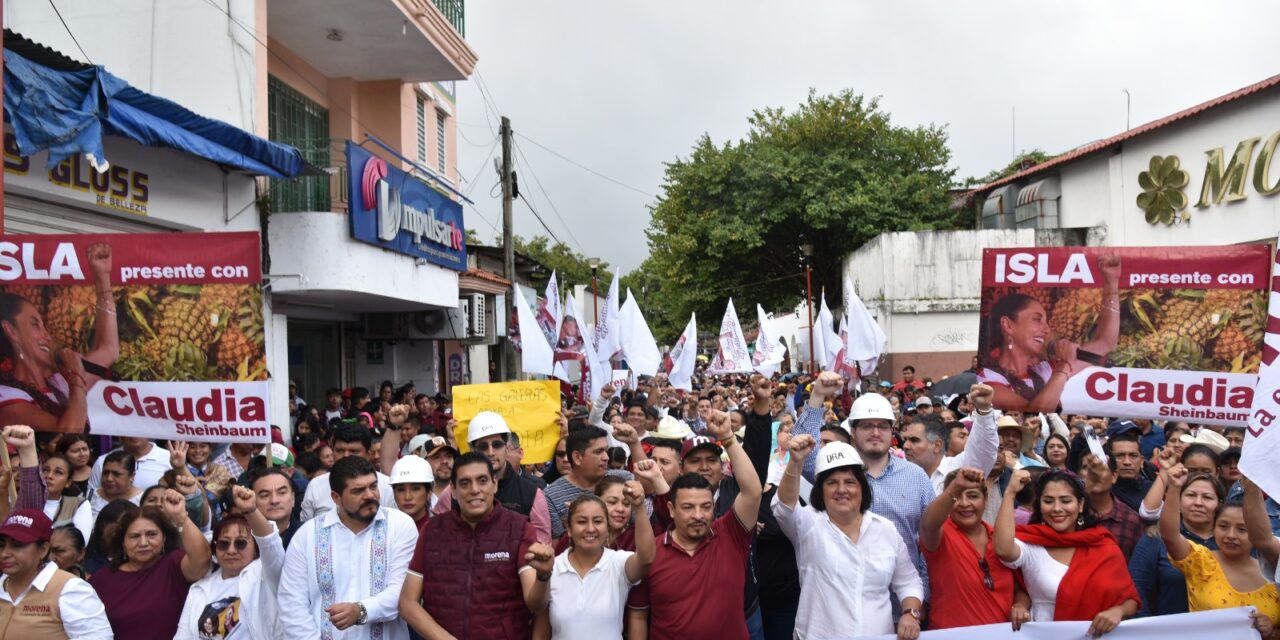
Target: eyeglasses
point(496, 445)
point(987, 580)
point(864, 426)
point(240, 543)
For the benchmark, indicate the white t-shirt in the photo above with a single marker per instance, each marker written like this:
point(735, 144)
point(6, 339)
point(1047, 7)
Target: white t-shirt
point(1042, 575)
point(222, 611)
point(151, 467)
point(589, 608)
point(990, 376)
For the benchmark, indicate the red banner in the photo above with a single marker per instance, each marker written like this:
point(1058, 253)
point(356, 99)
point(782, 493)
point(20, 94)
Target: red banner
point(144, 258)
point(158, 335)
point(1169, 333)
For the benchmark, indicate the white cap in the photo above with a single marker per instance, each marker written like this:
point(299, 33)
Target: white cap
point(486, 423)
point(871, 406)
point(419, 442)
point(412, 469)
point(835, 455)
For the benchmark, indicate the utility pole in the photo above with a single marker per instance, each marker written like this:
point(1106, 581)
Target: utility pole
point(508, 246)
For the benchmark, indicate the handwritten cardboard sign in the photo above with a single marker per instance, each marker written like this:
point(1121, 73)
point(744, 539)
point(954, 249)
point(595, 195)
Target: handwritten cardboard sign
point(530, 409)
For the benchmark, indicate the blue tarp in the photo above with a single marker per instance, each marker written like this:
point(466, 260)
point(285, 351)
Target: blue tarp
point(68, 113)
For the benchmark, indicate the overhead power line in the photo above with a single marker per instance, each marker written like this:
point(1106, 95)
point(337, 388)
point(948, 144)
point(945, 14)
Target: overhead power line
point(584, 167)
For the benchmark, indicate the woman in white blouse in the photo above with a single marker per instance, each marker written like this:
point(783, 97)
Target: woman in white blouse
point(241, 591)
point(848, 557)
point(590, 581)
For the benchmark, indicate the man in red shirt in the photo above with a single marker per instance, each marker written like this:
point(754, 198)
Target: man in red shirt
point(908, 380)
point(695, 587)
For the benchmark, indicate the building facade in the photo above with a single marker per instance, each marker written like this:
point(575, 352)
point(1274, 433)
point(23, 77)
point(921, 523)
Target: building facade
point(1204, 176)
point(338, 80)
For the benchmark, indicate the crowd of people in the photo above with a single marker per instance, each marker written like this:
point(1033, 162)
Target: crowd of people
point(752, 507)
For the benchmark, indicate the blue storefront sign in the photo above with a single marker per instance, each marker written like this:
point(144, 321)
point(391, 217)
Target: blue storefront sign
point(401, 213)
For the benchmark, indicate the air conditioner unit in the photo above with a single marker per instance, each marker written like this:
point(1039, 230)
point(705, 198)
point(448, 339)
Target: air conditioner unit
point(475, 306)
point(385, 326)
point(437, 324)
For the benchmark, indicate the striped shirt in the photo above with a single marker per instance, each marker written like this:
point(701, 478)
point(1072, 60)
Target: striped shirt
point(561, 492)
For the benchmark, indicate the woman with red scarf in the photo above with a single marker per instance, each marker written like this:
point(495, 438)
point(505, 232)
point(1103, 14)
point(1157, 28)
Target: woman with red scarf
point(1064, 551)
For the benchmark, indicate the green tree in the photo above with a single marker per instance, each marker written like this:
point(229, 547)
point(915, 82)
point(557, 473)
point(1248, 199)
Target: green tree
point(1024, 160)
point(835, 172)
point(570, 266)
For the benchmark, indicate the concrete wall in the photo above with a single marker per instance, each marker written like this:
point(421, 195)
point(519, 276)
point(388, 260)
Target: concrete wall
point(402, 361)
point(188, 52)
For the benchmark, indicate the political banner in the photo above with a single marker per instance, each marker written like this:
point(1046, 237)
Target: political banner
point(732, 355)
point(1262, 437)
point(1168, 333)
point(1217, 623)
point(682, 360)
point(158, 335)
point(769, 351)
point(530, 408)
point(621, 379)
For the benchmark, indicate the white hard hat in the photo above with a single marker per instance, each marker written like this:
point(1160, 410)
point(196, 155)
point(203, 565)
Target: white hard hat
point(486, 423)
point(412, 469)
point(871, 406)
point(835, 455)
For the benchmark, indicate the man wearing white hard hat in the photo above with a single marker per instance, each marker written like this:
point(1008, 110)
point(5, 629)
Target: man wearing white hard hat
point(838, 529)
point(411, 480)
point(901, 491)
point(487, 433)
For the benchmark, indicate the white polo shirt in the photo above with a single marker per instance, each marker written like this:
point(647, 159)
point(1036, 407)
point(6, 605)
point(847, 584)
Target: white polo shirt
point(150, 468)
point(589, 608)
point(82, 613)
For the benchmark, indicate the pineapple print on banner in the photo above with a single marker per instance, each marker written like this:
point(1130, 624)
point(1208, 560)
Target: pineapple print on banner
point(186, 332)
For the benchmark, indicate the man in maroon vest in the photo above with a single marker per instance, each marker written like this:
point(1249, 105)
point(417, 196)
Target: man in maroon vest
point(478, 570)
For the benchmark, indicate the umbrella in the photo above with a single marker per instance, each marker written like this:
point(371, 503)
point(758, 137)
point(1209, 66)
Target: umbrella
point(954, 385)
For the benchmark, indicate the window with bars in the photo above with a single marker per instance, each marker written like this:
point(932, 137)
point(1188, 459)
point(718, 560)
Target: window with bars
point(296, 120)
point(422, 129)
point(440, 155)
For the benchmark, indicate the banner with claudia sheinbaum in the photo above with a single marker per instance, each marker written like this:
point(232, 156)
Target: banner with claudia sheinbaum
point(1165, 333)
point(153, 335)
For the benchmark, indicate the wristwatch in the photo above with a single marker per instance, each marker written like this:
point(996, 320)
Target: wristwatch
point(364, 614)
point(913, 611)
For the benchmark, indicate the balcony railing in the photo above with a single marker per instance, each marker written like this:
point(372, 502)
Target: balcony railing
point(315, 193)
point(453, 11)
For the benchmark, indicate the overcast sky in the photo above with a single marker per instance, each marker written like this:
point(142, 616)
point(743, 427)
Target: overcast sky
point(624, 87)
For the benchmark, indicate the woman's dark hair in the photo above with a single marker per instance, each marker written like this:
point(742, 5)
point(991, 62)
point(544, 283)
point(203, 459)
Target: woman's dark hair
point(122, 458)
point(69, 440)
point(1213, 481)
point(1077, 489)
point(1065, 445)
point(820, 504)
point(309, 462)
point(1230, 455)
point(232, 520)
point(603, 484)
point(578, 503)
point(305, 441)
point(617, 455)
point(77, 538)
point(155, 487)
point(1199, 450)
point(1007, 307)
point(63, 459)
point(99, 546)
point(386, 384)
point(157, 517)
point(1229, 503)
point(10, 307)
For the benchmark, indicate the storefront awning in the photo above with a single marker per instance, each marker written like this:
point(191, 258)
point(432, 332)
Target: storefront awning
point(68, 111)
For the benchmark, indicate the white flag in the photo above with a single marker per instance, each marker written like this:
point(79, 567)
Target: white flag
point(866, 341)
point(608, 342)
point(683, 358)
point(1262, 438)
point(575, 348)
point(638, 345)
point(535, 353)
point(731, 355)
point(769, 350)
point(830, 339)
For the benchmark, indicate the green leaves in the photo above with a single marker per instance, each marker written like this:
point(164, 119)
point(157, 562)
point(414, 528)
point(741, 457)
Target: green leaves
point(835, 170)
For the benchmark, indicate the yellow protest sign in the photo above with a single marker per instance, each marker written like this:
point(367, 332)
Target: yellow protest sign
point(530, 408)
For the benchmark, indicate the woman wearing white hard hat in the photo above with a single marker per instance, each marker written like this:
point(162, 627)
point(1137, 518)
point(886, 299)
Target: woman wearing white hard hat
point(848, 557)
point(411, 481)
